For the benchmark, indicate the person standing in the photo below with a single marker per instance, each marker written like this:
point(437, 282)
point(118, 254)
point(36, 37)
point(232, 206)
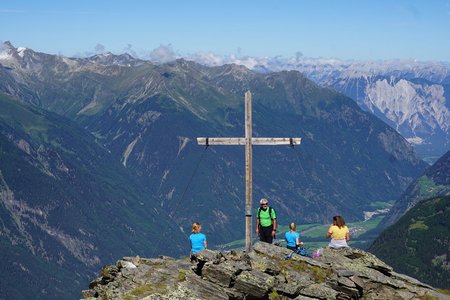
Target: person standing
point(292, 237)
point(339, 233)
point(266, 222)
point(198, 240)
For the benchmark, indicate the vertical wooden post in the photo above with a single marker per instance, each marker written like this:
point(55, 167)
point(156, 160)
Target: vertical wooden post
point(248, 172)
point(249, 141)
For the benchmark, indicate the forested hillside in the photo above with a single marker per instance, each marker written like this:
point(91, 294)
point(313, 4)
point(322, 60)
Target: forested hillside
point(419, 243)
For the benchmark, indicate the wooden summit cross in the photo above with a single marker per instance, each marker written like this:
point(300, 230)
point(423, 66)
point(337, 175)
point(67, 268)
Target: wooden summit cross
point(248, 141)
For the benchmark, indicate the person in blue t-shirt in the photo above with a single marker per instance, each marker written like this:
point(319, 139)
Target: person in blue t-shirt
point(292, 237)
point(198, 240)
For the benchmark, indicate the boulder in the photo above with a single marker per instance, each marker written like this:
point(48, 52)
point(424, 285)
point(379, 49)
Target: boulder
point(222, 274)
point(319, 291)
point(254, 284)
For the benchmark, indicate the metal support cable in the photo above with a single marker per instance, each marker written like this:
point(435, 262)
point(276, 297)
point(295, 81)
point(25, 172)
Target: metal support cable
point(182, 197)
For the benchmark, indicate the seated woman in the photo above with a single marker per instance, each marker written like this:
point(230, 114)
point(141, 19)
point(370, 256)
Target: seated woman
point(339, 233)
point(198, 240)
point(292, 237)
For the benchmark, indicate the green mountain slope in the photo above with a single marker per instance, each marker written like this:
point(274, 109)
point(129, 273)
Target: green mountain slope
point(434, 182)
point(66, 207)
point(418, 244)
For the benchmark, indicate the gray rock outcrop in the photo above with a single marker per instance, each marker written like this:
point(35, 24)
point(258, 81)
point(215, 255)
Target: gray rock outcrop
point(265, 273)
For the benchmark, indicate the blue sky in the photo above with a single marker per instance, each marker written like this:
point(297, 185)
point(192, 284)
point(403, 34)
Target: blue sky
point(345, 29)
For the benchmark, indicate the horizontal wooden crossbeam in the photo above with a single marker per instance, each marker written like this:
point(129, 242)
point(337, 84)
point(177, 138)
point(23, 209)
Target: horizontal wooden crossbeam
point(241, 141)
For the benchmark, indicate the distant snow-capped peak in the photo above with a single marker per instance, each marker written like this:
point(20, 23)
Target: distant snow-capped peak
point(6, 51)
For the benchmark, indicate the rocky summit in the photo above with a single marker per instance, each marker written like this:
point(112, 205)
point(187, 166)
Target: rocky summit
point(264, 273)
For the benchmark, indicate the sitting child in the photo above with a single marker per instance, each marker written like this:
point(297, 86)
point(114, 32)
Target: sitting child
point(292, 237)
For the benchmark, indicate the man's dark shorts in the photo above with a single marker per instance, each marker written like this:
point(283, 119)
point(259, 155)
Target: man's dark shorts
point(265, 234)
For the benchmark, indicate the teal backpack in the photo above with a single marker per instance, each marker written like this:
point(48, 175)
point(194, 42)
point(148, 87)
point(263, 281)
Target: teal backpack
point(300, 251)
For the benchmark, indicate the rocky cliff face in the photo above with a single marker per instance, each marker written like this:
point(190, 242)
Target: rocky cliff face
point(416, 108)
point(265, 273)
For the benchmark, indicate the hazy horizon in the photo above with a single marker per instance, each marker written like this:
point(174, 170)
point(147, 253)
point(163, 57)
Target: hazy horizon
point(344, 30)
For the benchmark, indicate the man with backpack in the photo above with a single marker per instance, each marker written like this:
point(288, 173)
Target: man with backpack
point(266, 222)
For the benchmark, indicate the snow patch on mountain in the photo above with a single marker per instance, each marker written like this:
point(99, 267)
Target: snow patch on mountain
point(415, 140)
point(5, 53)
point(21, 51)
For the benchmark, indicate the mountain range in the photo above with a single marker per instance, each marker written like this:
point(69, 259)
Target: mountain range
point(99, 156)
point(411, 96)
